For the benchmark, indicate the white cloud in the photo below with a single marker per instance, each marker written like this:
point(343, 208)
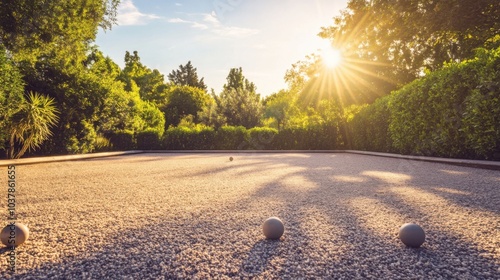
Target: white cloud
point(193, 24)
point(177, 20)
point(128, 14)
point(211, 18)
point(199, 25)
point(178, 4)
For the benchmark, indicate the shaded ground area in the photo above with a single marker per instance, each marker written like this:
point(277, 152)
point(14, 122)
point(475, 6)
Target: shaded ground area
point(199, 216)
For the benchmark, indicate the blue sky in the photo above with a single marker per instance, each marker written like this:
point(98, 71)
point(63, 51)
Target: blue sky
point(263, 37)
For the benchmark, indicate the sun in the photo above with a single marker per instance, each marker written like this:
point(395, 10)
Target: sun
point(332, 58)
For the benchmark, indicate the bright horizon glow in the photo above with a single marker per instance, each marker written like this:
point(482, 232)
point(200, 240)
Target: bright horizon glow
point(332, 58)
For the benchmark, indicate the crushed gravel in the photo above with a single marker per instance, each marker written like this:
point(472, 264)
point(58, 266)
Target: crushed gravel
point(199, 216)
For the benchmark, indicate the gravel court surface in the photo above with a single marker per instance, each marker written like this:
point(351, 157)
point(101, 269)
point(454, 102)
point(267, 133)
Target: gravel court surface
point(199, 216)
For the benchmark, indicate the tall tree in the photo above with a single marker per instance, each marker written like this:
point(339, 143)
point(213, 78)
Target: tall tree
point(280, 107)
point(32, 29)
point(151, 83)
point(184, 101)
point(236, 80)
point(186, 75)
point(50, 41)
point(11, 94)
point(238, 102)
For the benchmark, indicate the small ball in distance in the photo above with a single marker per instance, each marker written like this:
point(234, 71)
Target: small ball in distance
point(412, 235)
point(21, 234)
point(273, 228)
point(230, 158)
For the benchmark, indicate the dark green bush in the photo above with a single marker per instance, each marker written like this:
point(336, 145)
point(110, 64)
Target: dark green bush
point(206, 138)
point(179, 138)
point(122, 140)
point(185, 138)
point(369, 129)
point(149, 140)
point(320, 137)
point(231, 138)
point(261, 138)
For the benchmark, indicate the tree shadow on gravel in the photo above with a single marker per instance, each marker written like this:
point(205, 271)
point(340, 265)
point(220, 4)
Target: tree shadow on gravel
point(372, 254)
point(464, 186)
point(133, 257)
point(331, 231)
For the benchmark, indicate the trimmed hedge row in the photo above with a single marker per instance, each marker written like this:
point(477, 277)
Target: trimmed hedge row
point(257, 138)
point(453, 112)
point(230, 138)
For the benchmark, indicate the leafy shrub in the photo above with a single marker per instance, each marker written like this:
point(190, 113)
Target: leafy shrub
point(185, 138)
point(369, 128)
point(148, 140)
point(231, 138)
point(123, 140)
point(102, 144)
point(319, 137)
point(261, 138)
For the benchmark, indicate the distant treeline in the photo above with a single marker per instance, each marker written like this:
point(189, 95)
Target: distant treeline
point(417, 77)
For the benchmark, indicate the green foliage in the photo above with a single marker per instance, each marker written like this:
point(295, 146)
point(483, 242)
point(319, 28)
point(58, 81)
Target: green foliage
point(482, 130)
point(31, 124)
point(369, 127)
point(324, 137)
point(231, 138)
point(280, 106)
point(184, 101)
point(452, 112)
point(61, 28)
point(238, 104)
point(240, 107)
point(427, 114)
point(262, 138)
point(123, 140)
point(210, 115)
point(102, 144)
point(390, 43)
point(83, 138)
point(151, 83)
point(186, 75)
point(152, 118)
point(11, 94)
point(236, 80)
point(185, 138)
point(149, 140)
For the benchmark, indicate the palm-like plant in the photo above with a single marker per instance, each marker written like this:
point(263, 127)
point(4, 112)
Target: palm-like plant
point(31, 124)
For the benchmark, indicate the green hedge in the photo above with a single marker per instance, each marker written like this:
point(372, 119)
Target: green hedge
point(123, 140)
point(325, 137)
point(149, 140)
point(262, 138)
point(369, 129)
point(240, 138)
point(231, 138)
point(453, 112)
point(185, 138)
